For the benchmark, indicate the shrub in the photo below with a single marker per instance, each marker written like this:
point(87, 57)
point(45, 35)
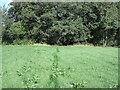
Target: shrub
point(22, 42)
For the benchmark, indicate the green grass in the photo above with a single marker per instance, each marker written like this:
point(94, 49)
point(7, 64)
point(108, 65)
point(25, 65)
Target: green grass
point(32, 66)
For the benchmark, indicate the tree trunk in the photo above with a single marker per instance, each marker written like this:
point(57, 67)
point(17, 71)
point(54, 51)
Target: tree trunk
point(105, 38)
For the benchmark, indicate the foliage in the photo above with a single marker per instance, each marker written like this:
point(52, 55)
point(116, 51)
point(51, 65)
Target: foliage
point(54, 75)
point(62, 23)
point(78, 85)
point(29, 82)
point(22, 42)
point(55, 72)
point(16, 31)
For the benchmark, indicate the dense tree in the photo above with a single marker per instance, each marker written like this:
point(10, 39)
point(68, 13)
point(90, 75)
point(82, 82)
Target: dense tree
point(62, 23)
point(6, 24)
point(0, 25)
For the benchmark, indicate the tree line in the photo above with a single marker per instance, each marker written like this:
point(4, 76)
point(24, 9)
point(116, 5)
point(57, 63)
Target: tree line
point(61, 23)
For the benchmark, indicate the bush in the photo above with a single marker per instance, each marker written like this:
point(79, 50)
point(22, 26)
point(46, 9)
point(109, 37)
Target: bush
point(22, 42)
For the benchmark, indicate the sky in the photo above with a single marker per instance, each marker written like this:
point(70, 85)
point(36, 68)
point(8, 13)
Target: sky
point(5, 2)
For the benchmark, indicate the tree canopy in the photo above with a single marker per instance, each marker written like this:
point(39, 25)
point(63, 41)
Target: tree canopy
point(62, 23)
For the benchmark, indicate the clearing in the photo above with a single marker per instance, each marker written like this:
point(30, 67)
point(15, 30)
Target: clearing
point(59, 66)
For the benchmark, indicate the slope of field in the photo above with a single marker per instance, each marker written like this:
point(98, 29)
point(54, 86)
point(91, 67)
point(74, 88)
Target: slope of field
point(80, 66)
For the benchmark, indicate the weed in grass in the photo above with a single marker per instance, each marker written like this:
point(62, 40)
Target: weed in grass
point(5, 73)
point(55, 71)
point(62, 72)
point(54, 75)
point(113, 86)
point(78, 85)
point(69, 68)
point(19, 73)
point(29, 82)
point(58, 50)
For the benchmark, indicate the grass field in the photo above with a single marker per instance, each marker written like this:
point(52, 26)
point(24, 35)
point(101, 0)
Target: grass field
point(59, 66)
